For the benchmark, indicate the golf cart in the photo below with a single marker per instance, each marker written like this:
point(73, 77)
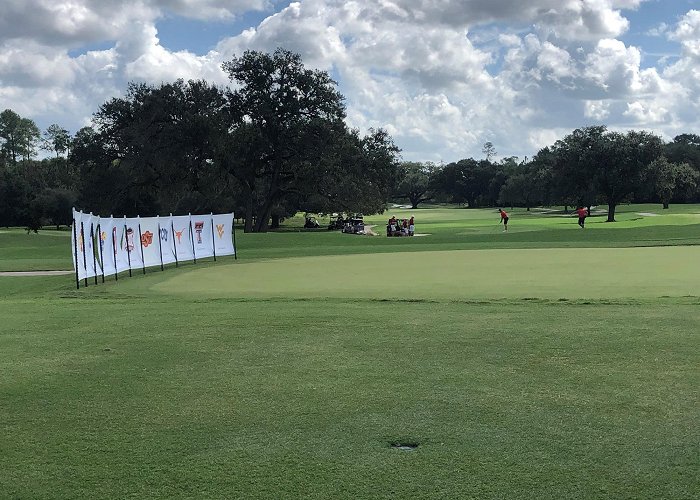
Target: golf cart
point(337, 223)
point(311, 222)
point(354, 225)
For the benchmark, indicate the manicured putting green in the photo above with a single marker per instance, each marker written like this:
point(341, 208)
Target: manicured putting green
point(455, 275)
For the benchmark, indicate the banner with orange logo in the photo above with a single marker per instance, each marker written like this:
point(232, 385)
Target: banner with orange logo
point(150, 241)
point(182, 238)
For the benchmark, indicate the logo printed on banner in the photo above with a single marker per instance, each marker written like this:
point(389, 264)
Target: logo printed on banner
point(146, 239)
point(198, 227)
point(163, 234)
point(103, 236)
point(178, 234)
point(220, 230)
point(129, 239)
point(81, 244)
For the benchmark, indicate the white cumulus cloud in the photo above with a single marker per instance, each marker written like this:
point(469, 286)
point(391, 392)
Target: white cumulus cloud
point(442, 76)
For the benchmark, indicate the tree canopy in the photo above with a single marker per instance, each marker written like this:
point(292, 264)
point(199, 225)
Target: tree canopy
point(276, 142)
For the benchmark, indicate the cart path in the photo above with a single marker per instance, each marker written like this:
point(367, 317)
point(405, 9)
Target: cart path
point(35, 273)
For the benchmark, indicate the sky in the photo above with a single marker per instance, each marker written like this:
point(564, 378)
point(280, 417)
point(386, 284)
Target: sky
point(443, 77)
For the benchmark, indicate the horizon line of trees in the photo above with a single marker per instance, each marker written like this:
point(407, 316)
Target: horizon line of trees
point(276, 143)
point(590, 166)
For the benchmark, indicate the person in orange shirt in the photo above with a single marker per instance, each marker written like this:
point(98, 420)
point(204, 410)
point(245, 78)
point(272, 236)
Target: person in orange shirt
point(582, 214)
point(504, 219)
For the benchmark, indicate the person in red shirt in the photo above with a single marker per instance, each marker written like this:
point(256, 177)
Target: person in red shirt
point(582, 214)
point(504, 219)
point(411, 226)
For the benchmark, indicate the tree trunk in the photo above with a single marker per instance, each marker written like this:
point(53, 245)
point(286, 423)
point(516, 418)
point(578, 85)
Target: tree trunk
point(566, 209)
point(611, 212)
point(248, 216)
point(262, 224)
point(275, 222)
point(665, 205)
point(588, 210)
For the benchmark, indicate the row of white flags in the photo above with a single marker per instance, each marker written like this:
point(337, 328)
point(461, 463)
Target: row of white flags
point(108, 245)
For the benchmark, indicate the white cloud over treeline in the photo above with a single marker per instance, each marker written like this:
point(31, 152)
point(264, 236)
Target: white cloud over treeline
point(442, 76)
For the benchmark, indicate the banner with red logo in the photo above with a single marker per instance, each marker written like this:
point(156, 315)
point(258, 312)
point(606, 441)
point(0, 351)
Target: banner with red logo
point(202, 236)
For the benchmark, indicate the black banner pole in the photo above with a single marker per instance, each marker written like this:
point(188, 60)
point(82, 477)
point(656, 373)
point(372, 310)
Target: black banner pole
point(160, 245)
point(213, 241)
point(194, 253)
point(172, 232)
point(128, 250)
point(82, 237)
point(102, 254)
point(114, 248)
point(92, 245)
point(143, 264)
point(75, 252)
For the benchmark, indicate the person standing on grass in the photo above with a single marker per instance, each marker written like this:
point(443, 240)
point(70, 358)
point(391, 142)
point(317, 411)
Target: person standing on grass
point(504, 219)
point(411, 226)
point(582, 214)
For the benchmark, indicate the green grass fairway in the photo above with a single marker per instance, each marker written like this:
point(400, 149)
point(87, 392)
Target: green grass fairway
point(546, 363)
point(45, 251)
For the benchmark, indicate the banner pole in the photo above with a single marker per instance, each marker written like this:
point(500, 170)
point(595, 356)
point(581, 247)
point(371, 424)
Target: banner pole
point(75, 252)
point(82, 237)
point(172, 232)
point(114, 248)
point(143, 263)
point(102, 254)
point(194, 253)
point(213, 241)
point(233, 232)
point(128, 251)
point(92, 245)
point(160, 246)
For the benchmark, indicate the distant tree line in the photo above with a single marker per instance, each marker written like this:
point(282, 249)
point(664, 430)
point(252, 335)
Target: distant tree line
point(590, 166)
point(273, 144)
point(276, 143)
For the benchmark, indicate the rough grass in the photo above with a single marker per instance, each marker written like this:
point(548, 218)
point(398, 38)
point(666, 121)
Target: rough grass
point(542, 373)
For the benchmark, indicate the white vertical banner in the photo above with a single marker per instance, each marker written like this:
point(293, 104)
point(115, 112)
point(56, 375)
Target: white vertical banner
point(86, 247)
point(165, 237)
point(202, 236)
point(223, 234)
point(122, 240)
point(182, 243)
point(150, 241)
point(106, 241)
point(131, 242)
point(94, 264)
point(78, 240)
